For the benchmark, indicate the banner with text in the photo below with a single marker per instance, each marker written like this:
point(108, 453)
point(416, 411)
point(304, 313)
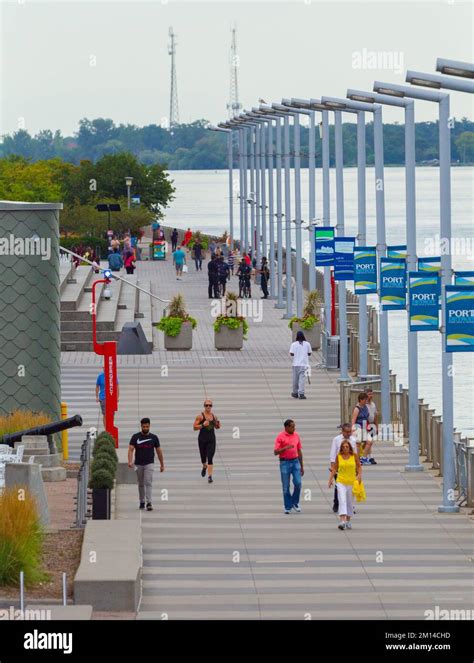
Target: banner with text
point(399, 251)
point(324, 243)
point(463, 278)
point(432, 264)
point(344, 258)
point(459, 318)
point(393, 284)
point(423, 298)
point(365, 270)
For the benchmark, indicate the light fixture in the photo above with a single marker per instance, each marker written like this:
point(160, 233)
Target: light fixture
point(359, 97)
point(128, 181)
point(334, 104)
point(425, 83)
point(386, 90)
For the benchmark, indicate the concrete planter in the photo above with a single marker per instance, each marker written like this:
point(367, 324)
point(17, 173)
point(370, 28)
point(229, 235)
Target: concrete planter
point(313, 335)
point(101, 504)
point(183, 341)
point(229, 339)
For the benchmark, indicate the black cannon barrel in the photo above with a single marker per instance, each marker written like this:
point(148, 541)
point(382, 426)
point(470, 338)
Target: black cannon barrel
point(46, 429)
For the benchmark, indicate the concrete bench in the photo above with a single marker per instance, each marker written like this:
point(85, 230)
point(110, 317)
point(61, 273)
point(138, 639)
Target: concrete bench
point(109, 575)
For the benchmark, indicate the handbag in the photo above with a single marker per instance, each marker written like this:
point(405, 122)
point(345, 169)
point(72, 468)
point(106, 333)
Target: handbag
point(185, 268)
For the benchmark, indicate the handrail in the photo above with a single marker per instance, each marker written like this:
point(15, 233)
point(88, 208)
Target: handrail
point(118, 278)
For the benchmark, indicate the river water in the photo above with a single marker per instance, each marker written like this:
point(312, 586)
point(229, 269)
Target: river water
point(201, 203)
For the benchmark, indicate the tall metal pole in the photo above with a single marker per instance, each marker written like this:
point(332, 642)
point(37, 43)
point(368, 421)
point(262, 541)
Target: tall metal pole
point(298, 220)
point(231, 187)
point(271, 210)
point(381, 251)
point(279, 216)
point(312, 199)
point(289, 292)
point(245, 191)
point(252, 190)
point(413, 415)
point(326, 216)
point(449, 475)
point(263, 173)
point(240, 135)
point(362, 237)
point(343, 345)
point(258, 199)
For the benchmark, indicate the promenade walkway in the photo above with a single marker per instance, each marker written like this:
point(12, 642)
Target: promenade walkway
point(227, 550)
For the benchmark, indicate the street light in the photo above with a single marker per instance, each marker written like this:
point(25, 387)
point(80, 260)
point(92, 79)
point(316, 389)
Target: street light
point(242, 133)
point(437, 82)
point(455, 68)
point(343, 104)
point(444, 132)
point(410, 202)
point(112, 207)
point(128, 182)
point(229, 166)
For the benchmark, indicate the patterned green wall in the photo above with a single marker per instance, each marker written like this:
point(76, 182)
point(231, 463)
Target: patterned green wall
point(30, 308)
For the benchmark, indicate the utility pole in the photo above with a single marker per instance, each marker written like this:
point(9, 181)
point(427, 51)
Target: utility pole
point(234, 107)
point(174, 112)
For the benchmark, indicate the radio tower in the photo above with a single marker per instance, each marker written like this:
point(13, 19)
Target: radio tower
point(174, 112)
point(234, 107)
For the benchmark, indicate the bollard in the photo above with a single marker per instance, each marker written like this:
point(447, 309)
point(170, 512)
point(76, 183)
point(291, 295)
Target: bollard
point(64, 433)
point(64, 590)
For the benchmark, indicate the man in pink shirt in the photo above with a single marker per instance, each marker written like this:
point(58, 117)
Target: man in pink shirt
point(288, 448)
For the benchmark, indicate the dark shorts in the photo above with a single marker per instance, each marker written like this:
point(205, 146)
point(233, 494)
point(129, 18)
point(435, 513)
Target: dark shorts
point(102, 406)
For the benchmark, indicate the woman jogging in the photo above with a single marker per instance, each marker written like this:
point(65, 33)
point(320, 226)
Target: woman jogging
point(348, 469)
point(359, 421)
point(207, 423)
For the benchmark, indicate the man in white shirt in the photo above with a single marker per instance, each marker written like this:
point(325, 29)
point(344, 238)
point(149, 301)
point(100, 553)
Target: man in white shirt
point(346, 434)
point(300, 350)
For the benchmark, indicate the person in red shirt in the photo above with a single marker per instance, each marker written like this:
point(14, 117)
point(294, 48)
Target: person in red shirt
point(288, 448)
point(187, 236)
point(247, 259)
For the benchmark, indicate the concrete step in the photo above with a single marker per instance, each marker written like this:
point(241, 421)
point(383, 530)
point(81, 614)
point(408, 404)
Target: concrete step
point(51, 474)
point(72, 292)
point(38, 451)
point(50, 460)
point(68, 324)
point(73, 336)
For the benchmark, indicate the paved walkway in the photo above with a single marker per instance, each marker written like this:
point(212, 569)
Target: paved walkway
point(226, 550)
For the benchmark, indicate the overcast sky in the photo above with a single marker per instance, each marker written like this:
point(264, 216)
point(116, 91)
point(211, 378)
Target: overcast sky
point(62, 61)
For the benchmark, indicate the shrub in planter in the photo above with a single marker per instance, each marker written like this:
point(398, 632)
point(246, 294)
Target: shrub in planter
point(104, 462)
point(230, 328)
point(105, 451)
point(103, 440)
point(177, 325)
point(309, 323)
point(101, 482)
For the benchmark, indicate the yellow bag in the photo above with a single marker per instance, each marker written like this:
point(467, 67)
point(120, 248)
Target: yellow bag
point(358, 490)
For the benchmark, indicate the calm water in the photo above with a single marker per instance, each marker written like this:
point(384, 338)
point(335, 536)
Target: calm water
point(202, 203)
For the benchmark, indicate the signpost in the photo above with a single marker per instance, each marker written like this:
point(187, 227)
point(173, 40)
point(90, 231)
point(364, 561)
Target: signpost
point(365, 270)
point(324, 243)
point(459, 318)
point(393, 283)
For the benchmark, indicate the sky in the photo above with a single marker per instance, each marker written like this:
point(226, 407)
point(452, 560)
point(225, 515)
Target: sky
point(62, 61)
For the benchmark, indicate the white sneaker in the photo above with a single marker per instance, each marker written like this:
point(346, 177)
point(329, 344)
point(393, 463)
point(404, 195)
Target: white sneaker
point(348, 525)
point(287, 511)
point(297, 508)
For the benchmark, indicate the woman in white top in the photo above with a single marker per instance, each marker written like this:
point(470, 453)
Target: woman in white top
point(300, 350)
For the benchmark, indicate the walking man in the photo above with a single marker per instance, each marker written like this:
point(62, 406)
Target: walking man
point(174, 240)
point(197, 248)
point(300, 350)
point(143, 444)
point(179, 259)
point(212, 273)
point(288, 448)
point(344, 435)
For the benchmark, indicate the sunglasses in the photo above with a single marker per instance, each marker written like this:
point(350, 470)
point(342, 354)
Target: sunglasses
point(207, 404)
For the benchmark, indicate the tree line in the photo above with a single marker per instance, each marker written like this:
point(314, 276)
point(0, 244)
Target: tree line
point(193, 147)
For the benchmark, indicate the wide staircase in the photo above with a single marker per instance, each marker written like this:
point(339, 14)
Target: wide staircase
point(126, 304)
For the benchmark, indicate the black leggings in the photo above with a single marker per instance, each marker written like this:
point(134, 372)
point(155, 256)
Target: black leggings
point(207, 449)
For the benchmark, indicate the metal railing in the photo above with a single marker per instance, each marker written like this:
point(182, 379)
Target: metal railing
point(82, 510)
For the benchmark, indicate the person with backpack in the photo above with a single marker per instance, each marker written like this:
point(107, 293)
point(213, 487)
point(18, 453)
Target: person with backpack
point(207, 423)
point(360, 424)
point(115, 262)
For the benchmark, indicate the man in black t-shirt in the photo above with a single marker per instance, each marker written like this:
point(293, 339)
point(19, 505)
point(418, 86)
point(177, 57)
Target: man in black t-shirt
point(143, 444)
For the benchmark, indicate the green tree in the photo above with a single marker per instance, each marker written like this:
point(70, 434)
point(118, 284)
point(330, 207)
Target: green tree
point(465, 144)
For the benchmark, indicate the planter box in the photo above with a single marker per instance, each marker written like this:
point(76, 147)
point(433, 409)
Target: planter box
point(313, 335)
point(229, 339)
point(183, 341)
point(101, 503)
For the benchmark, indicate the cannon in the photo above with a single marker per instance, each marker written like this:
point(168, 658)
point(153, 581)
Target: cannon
point(46, 429)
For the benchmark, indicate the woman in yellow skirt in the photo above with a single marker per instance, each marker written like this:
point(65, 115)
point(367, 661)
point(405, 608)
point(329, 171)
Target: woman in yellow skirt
point(348, 469)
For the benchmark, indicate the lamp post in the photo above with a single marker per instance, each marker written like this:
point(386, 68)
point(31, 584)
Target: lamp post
point(230, 178)
point(240, 142)
point(345, 104)
point(442, 99)
point(410, 203)
point(455, 68)
point(128, 182)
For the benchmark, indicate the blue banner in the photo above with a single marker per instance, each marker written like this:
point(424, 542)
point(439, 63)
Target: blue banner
point(399, 251)
point(459, 318)
point(423, 297)
point(344, 258)
point(365, 270)
point(324, 243)
point(432, 264)
point(393, 284)
point(463, 278)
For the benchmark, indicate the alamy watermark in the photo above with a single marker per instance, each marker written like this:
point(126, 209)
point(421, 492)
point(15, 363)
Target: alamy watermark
point(242, 308)
point(25, 246)
point(455, 614)
point(390, 60)
point(13, 614)
point(444, 246)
